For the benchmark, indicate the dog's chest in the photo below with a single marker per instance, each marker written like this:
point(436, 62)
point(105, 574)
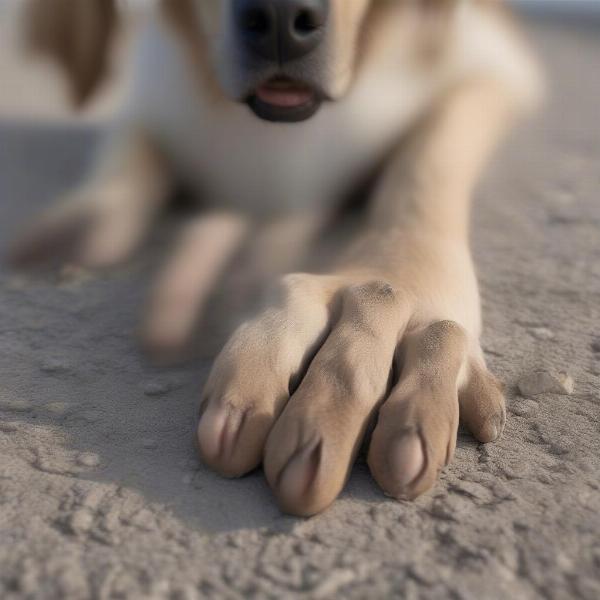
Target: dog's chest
point(240, 162)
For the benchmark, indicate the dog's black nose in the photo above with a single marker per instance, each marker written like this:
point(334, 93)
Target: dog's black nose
point(281, 30)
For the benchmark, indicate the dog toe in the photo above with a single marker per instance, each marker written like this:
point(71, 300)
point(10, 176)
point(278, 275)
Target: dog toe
point(415, 436)
point(482, 405)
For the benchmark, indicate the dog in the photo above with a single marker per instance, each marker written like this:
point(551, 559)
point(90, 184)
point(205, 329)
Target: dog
point(271, 108)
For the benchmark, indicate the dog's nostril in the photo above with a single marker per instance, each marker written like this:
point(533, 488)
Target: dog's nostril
point(280, 30)
point(306, 22)
point(256, 21)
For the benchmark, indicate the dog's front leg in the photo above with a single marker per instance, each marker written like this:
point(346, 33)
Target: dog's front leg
point(101, 222)
point(297, 386)
point(205, 248)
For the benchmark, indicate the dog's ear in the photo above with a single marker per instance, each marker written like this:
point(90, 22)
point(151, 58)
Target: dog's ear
point(77, 35)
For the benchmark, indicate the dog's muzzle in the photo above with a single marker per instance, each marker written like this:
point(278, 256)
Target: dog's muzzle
point(279, 33)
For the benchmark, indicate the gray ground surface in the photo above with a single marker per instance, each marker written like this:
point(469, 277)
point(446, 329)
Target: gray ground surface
point(100, 491)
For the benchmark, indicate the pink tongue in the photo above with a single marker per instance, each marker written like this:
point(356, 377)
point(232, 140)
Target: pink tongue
point(284, 97)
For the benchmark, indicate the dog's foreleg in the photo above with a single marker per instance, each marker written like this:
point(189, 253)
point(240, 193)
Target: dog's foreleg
point(430, 182)
point(205, 248)
point(423, 209)
point(103, 221)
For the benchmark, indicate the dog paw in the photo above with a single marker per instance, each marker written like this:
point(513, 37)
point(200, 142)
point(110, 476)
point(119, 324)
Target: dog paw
point(56, 235)
point(96, 227)
point(297, 388)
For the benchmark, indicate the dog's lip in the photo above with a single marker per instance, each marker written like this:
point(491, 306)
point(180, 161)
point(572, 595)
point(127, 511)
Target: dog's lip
point(284, 100)
point(282, 92)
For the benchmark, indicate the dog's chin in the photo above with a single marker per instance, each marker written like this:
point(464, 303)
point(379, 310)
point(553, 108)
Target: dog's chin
point(281, 100)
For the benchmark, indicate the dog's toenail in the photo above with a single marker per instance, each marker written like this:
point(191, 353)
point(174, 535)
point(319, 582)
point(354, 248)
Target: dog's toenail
point(406, 460)
point(211, 431)
point(491, 430)
point(231, 433)
point(299, 473)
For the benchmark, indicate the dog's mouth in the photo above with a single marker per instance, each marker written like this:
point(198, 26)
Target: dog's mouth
point(284, 100)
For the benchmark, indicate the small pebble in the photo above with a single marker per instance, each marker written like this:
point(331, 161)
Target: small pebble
point(54, 366)
point(88, 459)
point(16, 405)
point(542, 333)
point(544, 382)
point(564, 562)
point(57, 408)
point(187, 479)
point(156, 388)
point(81, 520)
point(91, 416)
point(149, 444)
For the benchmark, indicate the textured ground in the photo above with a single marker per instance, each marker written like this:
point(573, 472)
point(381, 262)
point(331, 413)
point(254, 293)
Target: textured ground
point(101, 495)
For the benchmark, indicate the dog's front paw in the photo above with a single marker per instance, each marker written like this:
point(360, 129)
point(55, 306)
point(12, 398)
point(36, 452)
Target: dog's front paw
point(297, 387)
point(97, 226)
